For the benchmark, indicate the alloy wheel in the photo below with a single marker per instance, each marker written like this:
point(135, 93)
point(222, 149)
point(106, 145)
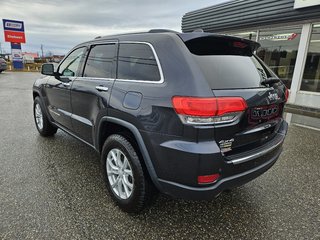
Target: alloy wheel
point(119, 172)
point(39, 116)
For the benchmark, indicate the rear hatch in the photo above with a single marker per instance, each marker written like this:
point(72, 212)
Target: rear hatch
point(232, 70)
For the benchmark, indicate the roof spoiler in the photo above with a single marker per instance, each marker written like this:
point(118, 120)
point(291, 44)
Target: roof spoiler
point(198, 35)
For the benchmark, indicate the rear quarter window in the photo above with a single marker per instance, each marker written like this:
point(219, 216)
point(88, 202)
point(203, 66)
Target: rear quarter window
point(136, 61)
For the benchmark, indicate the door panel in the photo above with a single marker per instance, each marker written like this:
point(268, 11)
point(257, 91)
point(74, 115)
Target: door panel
point(87, 104)
point(90, 94)
point(58, 88)
point(58, 96)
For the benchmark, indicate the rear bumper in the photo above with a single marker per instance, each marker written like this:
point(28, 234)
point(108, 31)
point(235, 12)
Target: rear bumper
point(188, 160)
point(206, 193)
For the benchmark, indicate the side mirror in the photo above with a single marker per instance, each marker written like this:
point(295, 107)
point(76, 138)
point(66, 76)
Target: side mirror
point(47, 69)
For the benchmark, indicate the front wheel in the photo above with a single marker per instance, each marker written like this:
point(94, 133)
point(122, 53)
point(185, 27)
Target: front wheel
point(123, 173)
point(45, 128)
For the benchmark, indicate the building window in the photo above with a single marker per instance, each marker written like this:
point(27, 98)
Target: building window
point(279, 48)
point(311, 74)
point(252, 35)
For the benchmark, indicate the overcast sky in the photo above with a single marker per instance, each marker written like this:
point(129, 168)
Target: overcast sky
point(61, 24)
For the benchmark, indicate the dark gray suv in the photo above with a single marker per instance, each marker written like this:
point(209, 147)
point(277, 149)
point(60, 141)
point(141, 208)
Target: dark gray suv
point(186, 114)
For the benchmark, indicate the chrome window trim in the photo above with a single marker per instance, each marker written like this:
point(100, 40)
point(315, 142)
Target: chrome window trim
point(157, 60)
point(95, 78)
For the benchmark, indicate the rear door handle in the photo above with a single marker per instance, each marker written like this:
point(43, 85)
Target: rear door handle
point(102, 88)
point(66, 84)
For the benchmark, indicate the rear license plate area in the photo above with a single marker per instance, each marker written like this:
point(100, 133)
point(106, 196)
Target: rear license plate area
point(258, 114)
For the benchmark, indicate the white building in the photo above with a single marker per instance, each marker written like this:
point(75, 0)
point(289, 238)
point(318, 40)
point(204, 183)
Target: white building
point(289, 34)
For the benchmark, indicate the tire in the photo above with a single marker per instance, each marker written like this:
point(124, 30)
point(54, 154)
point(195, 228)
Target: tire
point(142, 190)
point(45, 128)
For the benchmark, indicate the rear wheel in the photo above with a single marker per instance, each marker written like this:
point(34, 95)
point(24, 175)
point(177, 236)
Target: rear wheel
point(125, 179)
point(45, 128)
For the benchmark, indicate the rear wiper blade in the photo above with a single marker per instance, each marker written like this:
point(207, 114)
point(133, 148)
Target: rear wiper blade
point(270, 80)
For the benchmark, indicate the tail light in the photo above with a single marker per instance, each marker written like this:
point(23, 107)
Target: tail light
point(287, 94)
point(204, 111)
point(208, 178)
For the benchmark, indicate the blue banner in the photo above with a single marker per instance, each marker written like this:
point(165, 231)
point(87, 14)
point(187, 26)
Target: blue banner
point(16, 53)
point(13, 25)
point(15, 46)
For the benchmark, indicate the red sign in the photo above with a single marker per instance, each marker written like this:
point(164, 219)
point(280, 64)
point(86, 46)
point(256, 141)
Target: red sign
point(293, 36)
point(14, 36)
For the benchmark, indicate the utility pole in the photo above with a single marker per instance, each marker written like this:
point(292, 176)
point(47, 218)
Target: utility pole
point(41, 50)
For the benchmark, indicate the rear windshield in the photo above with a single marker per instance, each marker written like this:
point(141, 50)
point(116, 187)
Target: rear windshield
point(228, 63)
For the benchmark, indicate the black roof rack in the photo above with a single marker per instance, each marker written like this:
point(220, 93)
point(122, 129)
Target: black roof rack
point(150, 31)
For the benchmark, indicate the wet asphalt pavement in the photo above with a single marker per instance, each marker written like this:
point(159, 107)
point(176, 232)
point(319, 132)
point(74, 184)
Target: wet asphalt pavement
point(51, 188)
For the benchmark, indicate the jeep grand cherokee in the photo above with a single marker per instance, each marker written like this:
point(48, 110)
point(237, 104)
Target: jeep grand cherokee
point(187, 114)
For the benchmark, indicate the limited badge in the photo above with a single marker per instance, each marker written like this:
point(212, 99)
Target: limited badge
point(226, 145)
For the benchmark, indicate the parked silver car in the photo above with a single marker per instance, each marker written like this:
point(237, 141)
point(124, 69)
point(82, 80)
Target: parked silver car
point(3, 65)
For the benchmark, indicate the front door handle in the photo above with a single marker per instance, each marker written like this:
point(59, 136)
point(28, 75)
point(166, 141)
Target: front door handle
point(102, 88)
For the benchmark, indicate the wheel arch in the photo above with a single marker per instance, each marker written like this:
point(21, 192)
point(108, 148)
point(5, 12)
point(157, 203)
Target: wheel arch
point(35, 94)
point(121, 126)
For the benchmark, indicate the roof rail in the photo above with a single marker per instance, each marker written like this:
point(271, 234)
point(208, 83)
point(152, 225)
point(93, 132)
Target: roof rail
point(161, 31)
point(97, 37)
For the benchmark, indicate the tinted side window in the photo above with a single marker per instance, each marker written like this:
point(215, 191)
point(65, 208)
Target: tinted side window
point(100, 61)
point(70, 65)
point(136, 61)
